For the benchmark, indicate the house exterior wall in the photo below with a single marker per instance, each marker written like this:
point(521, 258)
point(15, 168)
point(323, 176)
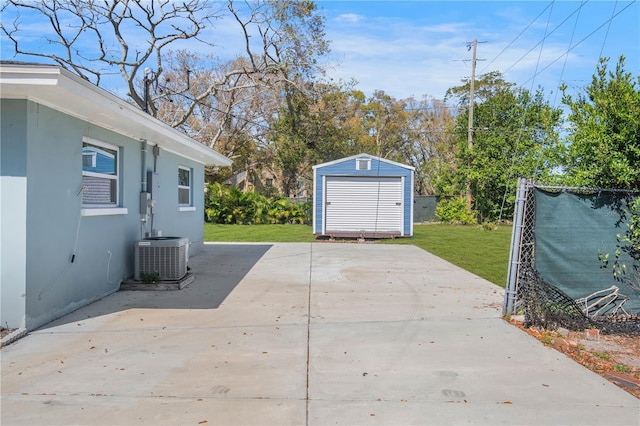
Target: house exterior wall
point(71, 259)
point(13, 215)
point(347, 167)
point(169, 218)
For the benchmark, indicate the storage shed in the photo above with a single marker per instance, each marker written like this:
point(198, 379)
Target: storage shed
point(363, 196)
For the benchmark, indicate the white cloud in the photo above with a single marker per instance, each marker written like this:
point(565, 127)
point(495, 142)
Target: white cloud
point(349, 18)
point(399, 57)
point(424, 52)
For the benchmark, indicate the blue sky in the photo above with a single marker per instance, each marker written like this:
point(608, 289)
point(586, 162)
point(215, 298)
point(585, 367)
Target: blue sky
point(416, 48)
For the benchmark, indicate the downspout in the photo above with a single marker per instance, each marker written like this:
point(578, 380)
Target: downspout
point(156, 153)
point(144, 195)
point(143, 166)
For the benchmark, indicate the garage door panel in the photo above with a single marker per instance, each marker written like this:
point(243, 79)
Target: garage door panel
point(355, 204)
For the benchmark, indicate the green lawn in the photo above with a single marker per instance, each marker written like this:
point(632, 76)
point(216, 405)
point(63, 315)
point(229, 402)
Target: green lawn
point(259, 233)
point(485, 253)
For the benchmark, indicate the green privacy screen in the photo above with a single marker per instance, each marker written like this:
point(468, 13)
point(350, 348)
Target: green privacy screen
point(570, 230)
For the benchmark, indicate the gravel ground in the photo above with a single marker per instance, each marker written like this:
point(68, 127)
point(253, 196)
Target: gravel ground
point(6, 331)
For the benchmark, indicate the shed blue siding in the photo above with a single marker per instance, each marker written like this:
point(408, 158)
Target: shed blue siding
point(105, 162)
point(347, 167)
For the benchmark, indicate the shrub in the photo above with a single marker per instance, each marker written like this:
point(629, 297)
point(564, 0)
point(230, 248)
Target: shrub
point(454, 210)
point(489, 226)
point(231, 206)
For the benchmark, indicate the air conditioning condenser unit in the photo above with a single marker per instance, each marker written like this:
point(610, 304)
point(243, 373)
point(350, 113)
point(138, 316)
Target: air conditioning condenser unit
point(164, 258)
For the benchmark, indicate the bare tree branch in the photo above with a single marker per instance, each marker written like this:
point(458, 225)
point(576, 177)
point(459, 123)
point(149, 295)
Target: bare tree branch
point(123, 34)
point(227, 104)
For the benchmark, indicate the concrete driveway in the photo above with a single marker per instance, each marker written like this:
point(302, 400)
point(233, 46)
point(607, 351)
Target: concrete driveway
point(305, 334)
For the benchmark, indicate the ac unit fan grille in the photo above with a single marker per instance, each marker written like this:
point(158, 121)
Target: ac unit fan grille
point(169, 262)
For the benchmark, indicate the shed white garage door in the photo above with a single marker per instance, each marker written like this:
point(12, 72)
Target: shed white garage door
point(356, 204)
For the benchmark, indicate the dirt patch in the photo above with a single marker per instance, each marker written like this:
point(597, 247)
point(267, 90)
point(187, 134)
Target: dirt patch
point(614, 357)
point(6, 331)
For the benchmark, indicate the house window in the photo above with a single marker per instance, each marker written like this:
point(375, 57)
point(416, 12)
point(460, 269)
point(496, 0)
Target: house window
point(269, 182)
point(184, 186)
point(363, 164)
point(99, 174)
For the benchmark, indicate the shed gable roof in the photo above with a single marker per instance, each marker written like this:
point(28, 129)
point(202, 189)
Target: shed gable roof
point(63, 91)
point(360, 156)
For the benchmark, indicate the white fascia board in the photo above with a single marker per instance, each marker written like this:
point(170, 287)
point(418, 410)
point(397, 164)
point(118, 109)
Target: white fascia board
point(342, 160)
point(404, 166)
point(63, 91)
point(373, 157)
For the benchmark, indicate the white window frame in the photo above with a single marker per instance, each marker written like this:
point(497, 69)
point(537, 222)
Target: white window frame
point(366, 161)
point(187, 187)
point(104, 207)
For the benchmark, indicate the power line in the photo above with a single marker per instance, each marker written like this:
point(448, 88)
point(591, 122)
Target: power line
point(581, 41)
point(517, 37)
point(543, 39)
point(541, 47)
point(566, 56)
point(608, 27)
point(524, 118)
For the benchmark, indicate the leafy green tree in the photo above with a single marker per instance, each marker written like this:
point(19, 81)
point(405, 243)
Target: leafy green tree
point(431, 145)
point(485, 87)
point(604, 150)
point(335, 122)
point(515, 134)
point(289, 140)
point(386, 126)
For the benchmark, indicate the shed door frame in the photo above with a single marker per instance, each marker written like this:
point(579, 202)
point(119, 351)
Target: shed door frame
point(393, 208)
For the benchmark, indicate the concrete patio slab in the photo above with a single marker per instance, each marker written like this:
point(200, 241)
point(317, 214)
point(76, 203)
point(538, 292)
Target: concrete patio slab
point(304, 334)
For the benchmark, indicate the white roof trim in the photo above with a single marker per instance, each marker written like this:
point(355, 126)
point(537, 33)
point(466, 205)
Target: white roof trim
point(63, 91)
point(373, 157)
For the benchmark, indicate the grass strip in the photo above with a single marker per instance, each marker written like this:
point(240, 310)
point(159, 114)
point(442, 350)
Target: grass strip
point(484, 253)
point(258, 233)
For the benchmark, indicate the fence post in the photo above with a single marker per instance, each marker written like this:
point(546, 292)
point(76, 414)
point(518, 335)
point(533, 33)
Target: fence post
point(514, 255)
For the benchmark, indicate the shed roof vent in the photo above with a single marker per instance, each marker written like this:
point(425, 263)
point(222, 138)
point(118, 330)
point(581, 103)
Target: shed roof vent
point(363, 164)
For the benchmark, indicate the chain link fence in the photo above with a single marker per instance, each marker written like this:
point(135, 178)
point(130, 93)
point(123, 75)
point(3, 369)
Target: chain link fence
point(547, 305)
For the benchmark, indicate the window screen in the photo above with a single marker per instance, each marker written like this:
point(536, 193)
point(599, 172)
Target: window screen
point(184, 186)
point(99, 174)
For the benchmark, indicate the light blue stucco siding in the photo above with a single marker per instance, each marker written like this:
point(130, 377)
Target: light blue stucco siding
point(347, 167)
point(13, 219)
point(62, 259)
point(169, 218)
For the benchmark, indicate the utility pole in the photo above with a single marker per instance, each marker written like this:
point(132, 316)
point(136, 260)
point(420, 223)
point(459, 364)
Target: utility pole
point(471, 46)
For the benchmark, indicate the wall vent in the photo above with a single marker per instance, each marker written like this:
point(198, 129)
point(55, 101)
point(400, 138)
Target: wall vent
point(165, 256)
point(363, 164)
